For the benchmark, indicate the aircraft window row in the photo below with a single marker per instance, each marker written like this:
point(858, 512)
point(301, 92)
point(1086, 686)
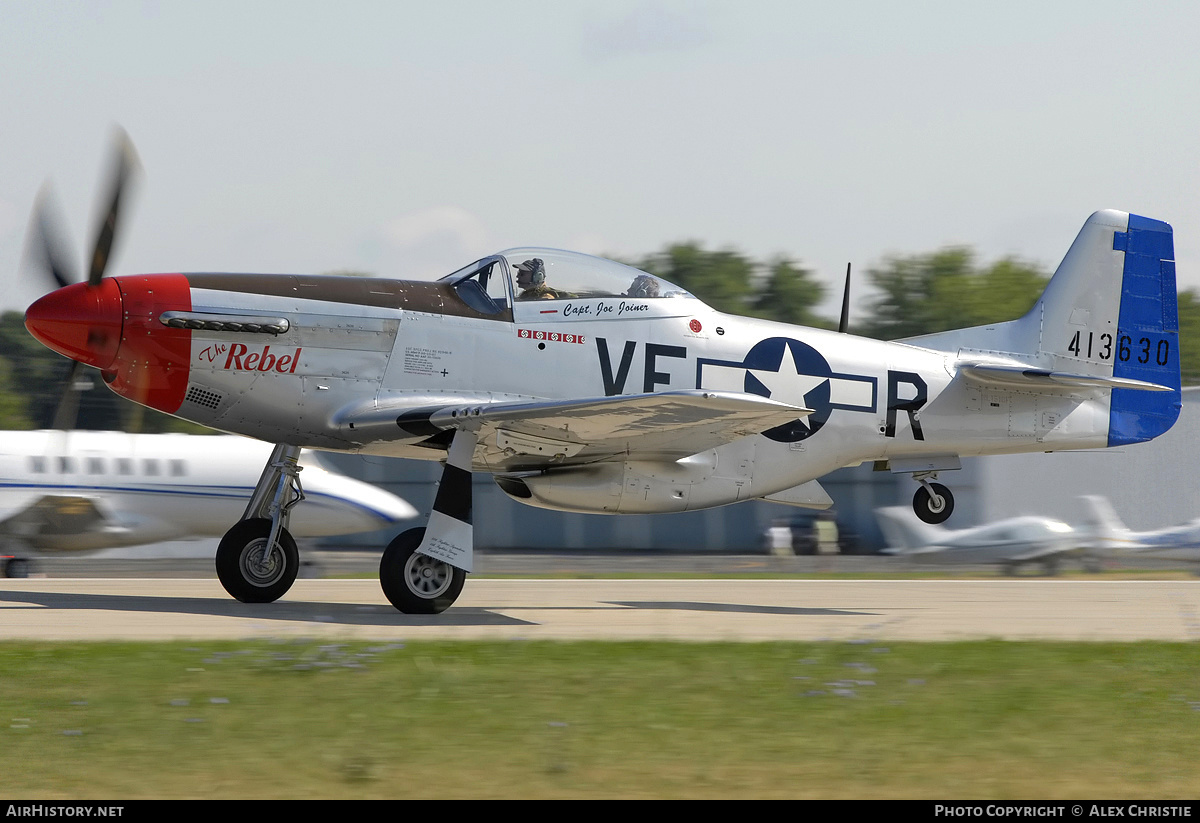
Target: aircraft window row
point(123, 466)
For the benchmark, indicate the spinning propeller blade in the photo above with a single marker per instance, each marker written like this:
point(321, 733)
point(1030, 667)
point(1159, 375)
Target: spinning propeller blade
point(124, 165)
point(845, 321)
point(48, 250)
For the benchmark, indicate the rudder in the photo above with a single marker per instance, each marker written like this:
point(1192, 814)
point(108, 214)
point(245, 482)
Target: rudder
point(1147, 333)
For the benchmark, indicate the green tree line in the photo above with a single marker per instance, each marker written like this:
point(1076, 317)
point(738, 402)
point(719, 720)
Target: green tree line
point(911, 295)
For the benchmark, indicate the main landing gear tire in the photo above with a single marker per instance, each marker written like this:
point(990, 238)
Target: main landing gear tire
point(936, 507)
point(16, 567)
point(416, 583)
point(248, 571)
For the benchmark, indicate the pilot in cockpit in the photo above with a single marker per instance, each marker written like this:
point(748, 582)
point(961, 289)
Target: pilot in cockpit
point(643, 286)
point(531, 279)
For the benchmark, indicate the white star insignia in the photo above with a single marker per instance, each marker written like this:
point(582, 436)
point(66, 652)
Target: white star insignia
point(788, 385)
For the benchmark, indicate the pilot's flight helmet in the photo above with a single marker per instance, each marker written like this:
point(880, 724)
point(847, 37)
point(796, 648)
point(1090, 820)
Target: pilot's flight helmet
point(644, 286)
point(536, 269)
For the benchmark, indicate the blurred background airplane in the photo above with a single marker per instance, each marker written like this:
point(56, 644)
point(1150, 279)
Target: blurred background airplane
point(1109, 533)
point(1010, 543)
point(79, 491)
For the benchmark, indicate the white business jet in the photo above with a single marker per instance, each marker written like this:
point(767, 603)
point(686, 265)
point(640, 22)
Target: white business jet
point(79, 491)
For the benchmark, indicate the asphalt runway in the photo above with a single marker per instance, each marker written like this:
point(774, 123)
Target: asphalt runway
point(147, 608)
point(196, 560)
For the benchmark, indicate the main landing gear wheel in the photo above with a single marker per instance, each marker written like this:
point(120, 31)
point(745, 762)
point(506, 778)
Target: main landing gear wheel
point(935, 507)
point(16, 567)
point(416, 583)
point(250, 572)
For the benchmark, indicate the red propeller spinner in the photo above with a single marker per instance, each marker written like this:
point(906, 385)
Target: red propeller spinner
point(81, 321)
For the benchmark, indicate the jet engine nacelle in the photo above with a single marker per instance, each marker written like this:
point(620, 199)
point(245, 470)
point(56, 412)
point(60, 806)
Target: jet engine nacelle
point(631, 487)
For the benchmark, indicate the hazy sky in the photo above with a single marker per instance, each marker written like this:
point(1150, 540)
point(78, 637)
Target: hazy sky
point(409, 138)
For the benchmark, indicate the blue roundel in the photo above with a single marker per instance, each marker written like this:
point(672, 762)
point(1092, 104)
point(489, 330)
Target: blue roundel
point(791, 358)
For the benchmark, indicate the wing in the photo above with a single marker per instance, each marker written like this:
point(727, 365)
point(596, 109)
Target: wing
point(659, 426)
point(53, 515)
point(1043, 552)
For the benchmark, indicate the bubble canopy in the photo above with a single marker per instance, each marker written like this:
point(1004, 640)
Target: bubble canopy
point(568, 276)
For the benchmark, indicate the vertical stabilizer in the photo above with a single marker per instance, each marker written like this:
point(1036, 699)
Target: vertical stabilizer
point(1111, 311)
point(1108, 318)
point(904, 533)
point(1102, 526)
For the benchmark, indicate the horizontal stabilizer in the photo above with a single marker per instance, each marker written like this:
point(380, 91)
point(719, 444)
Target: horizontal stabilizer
point(1030, 378)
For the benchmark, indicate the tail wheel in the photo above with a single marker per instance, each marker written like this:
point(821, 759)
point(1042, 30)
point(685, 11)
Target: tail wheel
point(933, 503)
point(416, 583)
point(249, 570)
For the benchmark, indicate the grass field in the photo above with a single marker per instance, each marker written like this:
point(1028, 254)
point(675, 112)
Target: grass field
point(297, 719)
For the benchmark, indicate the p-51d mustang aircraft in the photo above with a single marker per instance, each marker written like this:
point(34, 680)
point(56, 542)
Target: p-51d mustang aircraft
point(587, 386)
